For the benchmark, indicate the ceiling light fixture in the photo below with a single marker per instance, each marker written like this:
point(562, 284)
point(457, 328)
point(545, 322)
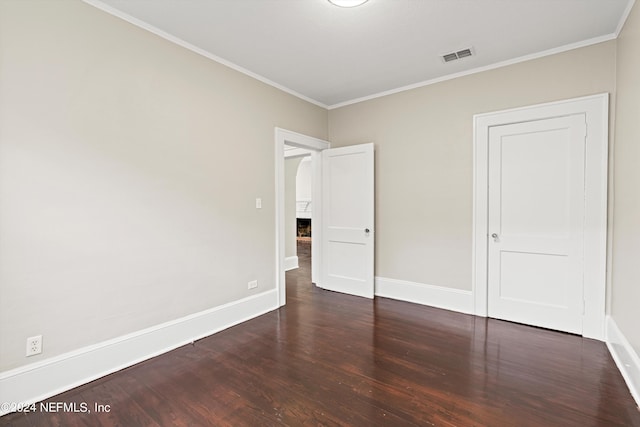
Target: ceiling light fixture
point(347, 3)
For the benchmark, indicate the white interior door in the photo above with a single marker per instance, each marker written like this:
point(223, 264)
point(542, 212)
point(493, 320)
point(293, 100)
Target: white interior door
point(348, 220)
point(536, 222)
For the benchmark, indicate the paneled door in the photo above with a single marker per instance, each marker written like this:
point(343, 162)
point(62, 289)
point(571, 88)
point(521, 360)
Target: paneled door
point(348, 220)
point(536, 222)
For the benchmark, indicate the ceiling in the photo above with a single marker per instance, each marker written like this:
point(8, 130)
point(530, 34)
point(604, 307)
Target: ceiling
point(335, 56)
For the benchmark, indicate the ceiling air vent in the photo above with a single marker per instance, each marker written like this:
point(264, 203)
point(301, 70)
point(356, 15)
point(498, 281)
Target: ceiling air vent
point(448, 57)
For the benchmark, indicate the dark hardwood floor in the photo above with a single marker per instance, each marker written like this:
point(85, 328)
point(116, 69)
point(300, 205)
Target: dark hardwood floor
point(328, 359)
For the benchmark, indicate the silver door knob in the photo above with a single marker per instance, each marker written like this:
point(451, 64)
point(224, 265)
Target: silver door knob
point(495, 237)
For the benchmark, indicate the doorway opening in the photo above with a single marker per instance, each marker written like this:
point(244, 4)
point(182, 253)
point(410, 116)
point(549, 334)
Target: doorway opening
point(304, 200)
point(343, 241)
point(297, 145)
point(298, 206)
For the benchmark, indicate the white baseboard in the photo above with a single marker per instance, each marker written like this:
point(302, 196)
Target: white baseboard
point(435, 296)
point(39, 381)
point(625, 357)
point(290, 263)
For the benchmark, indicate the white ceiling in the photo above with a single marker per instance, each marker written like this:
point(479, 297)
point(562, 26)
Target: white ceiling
point(334, 56)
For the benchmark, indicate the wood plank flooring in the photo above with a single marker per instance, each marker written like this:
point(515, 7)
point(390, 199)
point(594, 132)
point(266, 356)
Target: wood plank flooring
point(328, 359)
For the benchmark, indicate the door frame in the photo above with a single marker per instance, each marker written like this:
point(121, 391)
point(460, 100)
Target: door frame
point(595, 110)
point(286, 137)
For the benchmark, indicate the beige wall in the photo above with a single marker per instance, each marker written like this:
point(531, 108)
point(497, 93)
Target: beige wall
point(129, 169)
point(625, 305)
point(290, 222)
point(423, 141)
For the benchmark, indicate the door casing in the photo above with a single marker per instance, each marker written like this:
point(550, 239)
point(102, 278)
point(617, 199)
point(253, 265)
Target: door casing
point(595, 109)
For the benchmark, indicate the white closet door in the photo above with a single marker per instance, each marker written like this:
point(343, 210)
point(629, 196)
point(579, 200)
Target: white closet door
point(536, 222)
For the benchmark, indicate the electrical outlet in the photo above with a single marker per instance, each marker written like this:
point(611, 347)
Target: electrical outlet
point(253, 284)
point(34, 345)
